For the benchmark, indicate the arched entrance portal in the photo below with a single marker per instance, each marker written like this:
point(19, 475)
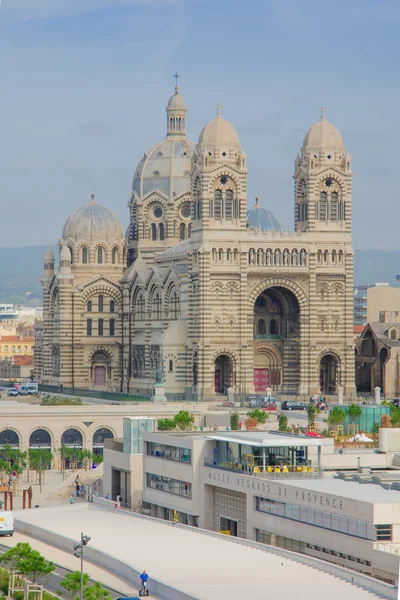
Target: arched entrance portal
point(267, 368)
point(276, 319)
point(101, 364)
point(223, 374)
point(40, 438)
point(72, 438)
point(329, 374)
point(9, 437)
point(98, 439)
point(383, 358)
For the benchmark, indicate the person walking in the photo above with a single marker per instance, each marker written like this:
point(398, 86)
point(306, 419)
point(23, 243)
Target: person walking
point(77, 485)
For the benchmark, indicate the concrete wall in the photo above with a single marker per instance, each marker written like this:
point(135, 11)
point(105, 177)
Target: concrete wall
point(108, 562)
point(382, 298)
point(127, 463)
point(389, 440)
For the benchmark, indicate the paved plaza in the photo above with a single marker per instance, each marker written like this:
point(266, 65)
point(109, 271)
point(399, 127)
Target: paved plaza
point(198, 564)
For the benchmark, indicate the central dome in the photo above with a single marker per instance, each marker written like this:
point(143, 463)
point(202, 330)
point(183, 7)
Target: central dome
point(166, 168)
point(93, 222)
point(261, 219)
point(219, 132)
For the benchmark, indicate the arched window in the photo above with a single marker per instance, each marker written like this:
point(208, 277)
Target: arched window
point(175, 305)
point(333, 208)
point(273, 327)
point(229, 204)
point(140, 307)
point(214, 255)
point(340, 255)
point(189, 230)
point(89, 306)
point(89, 327)
point(100, 255)
point(101, 327)
point(334, 256)
point(394, 334)
point(112, 306)
point(112, 327)
point(217, 204)
point(261, 329)
point(323, 209)
point(326, 256)
point(101, 303)
point(156, 306)
point(228, 256)
point(170, 366)
point(235, 255)
point(153, 232)
point(182, 231)
point(319, 256)
point(161, 231)
point(84, 255)
point(114, 256)
point(220, 254)
point(5, 348)
point(72, 254)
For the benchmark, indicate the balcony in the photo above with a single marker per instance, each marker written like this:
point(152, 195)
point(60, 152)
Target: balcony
point(282, 472)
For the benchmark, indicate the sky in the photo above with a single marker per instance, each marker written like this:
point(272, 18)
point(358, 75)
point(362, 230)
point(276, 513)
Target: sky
point(84, 85)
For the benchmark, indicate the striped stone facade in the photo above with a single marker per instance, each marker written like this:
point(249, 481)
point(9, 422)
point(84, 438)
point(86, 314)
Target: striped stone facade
point(221, 305)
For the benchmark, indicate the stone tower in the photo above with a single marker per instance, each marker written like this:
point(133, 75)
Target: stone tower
point(159, 204)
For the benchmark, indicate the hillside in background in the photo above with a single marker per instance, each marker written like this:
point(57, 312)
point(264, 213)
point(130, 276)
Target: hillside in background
point(21, 268)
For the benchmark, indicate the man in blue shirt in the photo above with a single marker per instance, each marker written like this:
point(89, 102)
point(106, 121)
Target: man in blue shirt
point(143, 578)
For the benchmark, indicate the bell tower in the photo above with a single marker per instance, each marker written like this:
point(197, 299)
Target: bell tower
point(323, 181)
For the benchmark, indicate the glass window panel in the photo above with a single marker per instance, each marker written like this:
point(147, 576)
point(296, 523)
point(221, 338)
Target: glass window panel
point(353, 527)
point(335, 522)
point(362, 529)
point(310, 516)
point(344, 524)
point(318, 518)
point(289, 511)
point(303, 514)
point(370, 531)
point(281, 509)
point(326, 519)
point(296, 512)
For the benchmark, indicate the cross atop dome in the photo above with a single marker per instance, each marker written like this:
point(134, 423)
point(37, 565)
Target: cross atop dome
point(177, 76)
point(218, 107)
point(323, 111)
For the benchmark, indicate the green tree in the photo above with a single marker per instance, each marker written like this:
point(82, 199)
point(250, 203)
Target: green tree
point(234, 421)
point(395, 415)
point(336, 416)
point(40, 459)
point(27, 561)
point(312, 412)
point(96, 592)
point(184, 420)
point(166, 424)
point(72, 584)
point(354, 412)
point(282, 423)
point(260, 415)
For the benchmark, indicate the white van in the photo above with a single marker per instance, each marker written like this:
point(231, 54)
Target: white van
point(6, 522)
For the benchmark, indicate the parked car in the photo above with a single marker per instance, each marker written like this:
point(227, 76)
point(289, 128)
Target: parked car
point(396, 401)
point(293, 405)
point(12, 392)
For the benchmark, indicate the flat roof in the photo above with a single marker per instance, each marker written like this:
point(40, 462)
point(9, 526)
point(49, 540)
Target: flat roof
point(368, 492)
point(198, 564)
point(265, 438)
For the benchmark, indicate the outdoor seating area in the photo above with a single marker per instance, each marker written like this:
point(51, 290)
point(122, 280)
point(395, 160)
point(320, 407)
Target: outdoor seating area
point(283, 471)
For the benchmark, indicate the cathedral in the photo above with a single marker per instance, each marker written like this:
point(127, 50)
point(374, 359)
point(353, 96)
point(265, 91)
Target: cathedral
point(215, 293)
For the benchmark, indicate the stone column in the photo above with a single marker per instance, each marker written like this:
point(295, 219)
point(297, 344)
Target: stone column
point(377, 392)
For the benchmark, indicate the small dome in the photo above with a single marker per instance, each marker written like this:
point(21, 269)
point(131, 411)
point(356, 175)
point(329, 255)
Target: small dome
point(261, 219)
point(93, 222)
point(65, 253)
point(176, 101)
point(49, 255)
point(219, 132)
point(323, 135)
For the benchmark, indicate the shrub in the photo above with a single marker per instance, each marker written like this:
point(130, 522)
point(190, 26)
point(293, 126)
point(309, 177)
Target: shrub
point(283, 423)
point(165, 424)
point(260, 415)
point(184, 420)
point(386, 421)
point(336, 416)
point(234, 421)
point(354, 412)
point(312, 412)
point(395, 415)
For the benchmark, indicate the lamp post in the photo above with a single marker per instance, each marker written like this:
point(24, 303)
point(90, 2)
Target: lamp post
point(78, 552)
